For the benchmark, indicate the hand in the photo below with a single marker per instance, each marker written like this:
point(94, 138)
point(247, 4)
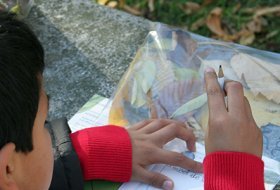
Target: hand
point(232, 128)
point(148, 138)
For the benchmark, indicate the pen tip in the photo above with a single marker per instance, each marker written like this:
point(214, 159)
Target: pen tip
point(220, 73)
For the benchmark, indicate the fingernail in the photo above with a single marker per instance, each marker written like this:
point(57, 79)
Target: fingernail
point(167, 185)
point(209, 70)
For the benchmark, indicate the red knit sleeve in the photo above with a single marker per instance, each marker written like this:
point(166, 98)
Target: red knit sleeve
point(233, 171)
point(104, 153)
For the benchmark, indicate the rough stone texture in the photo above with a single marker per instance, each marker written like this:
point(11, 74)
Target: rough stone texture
point(88, 47)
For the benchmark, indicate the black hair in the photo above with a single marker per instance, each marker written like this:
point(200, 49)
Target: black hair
point(21, 64)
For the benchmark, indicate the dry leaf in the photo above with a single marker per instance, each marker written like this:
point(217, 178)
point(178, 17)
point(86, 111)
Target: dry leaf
point(214, 22)
point(197, 24)
point(247, 39)
point(271, 34)
point(248, 10)
point(151, 5)
point(112, 4)
point(236, 8)
point(102, 2)
point(206, 2)
point(274, 69)
point(217, 11)
point(267, 10)
point(263, 111)
point(256, 24)
point(190, 7)
point(121, 3)
point(131, 10)
point(258, 75)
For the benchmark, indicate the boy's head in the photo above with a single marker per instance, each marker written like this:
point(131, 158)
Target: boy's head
point(26, 159)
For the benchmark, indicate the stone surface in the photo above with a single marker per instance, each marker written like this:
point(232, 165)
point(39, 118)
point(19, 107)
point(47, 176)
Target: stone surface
point(88, 47)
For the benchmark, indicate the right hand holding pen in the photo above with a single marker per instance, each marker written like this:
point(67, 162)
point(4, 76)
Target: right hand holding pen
point(230, 128)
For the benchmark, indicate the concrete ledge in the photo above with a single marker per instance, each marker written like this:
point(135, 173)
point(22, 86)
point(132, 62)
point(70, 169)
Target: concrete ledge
point(88, 47)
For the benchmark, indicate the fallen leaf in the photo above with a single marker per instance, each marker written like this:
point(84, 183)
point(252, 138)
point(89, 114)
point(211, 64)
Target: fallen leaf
point(247, 39)
point(207, 2)
point(213, 22)
point(217, 11)
point(112, 4)
point(131, 10)
point(102, 2)
point(197, 24)
point(256, 24)
point(267, 10)
point(190, 7)
point(272, 34)
point(263, 110)
point(121, 3)
point(248, 10)
point(236, 8)
point(261, 77)
point(151, 5)
point(2, 8)
point(190, 106)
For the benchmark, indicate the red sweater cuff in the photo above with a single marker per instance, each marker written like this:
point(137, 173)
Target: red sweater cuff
point(233, 171)
point(104, 153)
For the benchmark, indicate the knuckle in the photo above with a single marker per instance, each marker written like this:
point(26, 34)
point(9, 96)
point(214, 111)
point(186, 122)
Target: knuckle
point(179, 158)
point(149, 150)
point(194, 166)
point(235, 85)
point(213, 91)
point(160, 122)
point(180, 123)
point(172, 129)
point(210, 75)
point(154, 179)
point(190, 130)
point(218, 121)
point(173, 126)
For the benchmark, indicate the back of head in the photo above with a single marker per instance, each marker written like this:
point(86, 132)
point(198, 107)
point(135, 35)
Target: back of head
point(21, 64)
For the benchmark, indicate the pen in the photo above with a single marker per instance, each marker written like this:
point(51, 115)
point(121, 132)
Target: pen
point(221, 77)
point(221, 80)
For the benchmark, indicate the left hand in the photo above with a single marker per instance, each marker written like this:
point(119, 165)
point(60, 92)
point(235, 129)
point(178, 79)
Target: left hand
point(148, 138)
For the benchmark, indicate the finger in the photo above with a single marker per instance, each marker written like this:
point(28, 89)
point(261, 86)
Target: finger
point(249, 110)
point(178, 159)
point(235, 96)
point(141, 124)
point(158, 124)
point(227, 81)
point(216, 102)
point(248, 107)
point(168, 133)
point(153, 178)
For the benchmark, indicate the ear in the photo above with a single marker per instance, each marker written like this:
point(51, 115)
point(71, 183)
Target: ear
point(7, 166)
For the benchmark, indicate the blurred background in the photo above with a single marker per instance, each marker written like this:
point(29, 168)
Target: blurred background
point(255, 23)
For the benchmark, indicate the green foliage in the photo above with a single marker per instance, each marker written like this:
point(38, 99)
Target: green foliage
point(235, 15)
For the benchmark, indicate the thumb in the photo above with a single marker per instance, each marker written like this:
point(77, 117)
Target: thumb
point(155, 179)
